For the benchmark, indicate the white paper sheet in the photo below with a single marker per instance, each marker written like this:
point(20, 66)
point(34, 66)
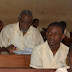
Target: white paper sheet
point(25, 51)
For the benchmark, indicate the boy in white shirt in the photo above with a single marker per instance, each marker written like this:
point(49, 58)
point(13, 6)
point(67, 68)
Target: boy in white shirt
point(52, 54)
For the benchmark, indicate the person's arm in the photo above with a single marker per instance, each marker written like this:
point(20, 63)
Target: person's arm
point(38, 38)
point(9, 48)
point(61, 70)
point(6, 37)
point(36, 61)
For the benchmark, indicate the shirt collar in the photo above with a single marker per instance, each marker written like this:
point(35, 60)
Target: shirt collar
point(46, 43)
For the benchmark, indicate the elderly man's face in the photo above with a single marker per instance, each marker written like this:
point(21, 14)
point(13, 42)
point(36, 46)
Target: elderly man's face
point(25, 22)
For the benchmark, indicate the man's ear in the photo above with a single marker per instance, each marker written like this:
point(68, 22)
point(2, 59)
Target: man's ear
point(63, 36)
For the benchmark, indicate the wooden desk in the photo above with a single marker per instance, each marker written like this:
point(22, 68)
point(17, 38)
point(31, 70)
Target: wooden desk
point(15, 61)
point(18, 63)
point(26, 70)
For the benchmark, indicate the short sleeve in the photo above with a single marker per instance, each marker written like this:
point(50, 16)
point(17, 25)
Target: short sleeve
point(61, 70)
point(35, 59)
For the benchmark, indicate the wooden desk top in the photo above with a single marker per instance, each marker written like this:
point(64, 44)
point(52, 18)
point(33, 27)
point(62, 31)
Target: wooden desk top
point(15, 61)
point(26, 70)
point(18, 63)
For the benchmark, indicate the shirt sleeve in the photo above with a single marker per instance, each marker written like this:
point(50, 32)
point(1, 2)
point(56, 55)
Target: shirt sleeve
point(35, 59)
point(61, 70)
point(67, 33)
point(33, 38)
point(5, 38)
point(37, 38)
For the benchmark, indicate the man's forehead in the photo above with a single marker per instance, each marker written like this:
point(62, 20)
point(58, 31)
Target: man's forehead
point(54, 28)
point(26, 15)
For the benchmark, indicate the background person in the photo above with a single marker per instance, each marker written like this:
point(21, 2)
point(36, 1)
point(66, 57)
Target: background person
point(67, 40)
point(36, 24)
point(66, 33)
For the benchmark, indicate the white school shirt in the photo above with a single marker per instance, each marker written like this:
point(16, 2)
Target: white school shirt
point(39, 28)
point(42, 57)
point(61, 70)
point(66, 33)
point(11, 34)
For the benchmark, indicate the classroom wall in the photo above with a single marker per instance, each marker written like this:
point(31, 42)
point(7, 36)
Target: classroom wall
point(46, 11)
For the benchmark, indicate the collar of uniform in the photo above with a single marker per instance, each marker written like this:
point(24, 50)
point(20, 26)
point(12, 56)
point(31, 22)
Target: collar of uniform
point(46, 43)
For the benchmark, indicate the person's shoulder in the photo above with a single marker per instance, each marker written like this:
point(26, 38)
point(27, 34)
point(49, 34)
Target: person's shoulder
point(64, 46)
point(34, 29)
point(40, 46)
point(10, 26)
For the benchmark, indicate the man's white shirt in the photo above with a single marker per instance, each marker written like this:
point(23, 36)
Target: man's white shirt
point(42, 57)
point(66, 33)
point(11, 34)
point(61, 70)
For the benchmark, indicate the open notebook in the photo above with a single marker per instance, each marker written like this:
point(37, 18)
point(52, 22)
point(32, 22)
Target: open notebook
point(25, 51)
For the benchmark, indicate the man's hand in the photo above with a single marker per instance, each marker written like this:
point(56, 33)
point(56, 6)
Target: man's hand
point(11, 48)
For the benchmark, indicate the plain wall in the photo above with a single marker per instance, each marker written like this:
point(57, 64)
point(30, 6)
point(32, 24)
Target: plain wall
point(47, 11)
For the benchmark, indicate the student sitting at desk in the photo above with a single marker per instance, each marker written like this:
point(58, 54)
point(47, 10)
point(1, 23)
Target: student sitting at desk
point(52, 54)
point(66, 33)
point(21, 34)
